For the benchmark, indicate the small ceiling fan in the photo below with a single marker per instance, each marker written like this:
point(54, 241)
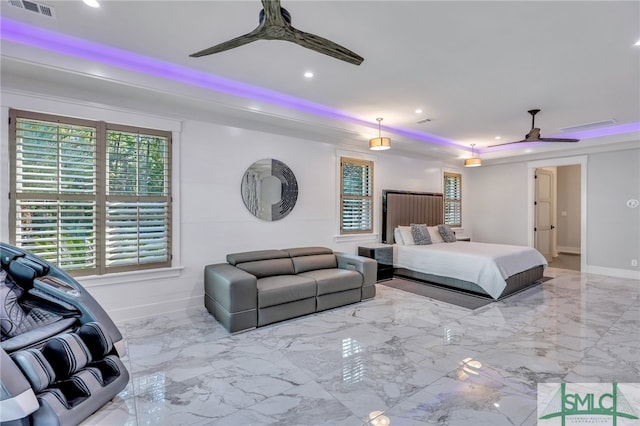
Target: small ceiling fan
point(275, 24)
point(534, 133)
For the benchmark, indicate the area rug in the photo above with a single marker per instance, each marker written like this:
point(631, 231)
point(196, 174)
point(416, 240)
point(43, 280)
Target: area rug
point(455, 297)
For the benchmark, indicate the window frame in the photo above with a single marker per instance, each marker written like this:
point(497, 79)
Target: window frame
point(370, 197)
point(100, 194)
point(452, 201)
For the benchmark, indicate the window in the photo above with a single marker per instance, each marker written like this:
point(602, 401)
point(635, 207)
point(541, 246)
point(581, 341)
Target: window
point(356, 196)
point(88, 196)
point(453, 199)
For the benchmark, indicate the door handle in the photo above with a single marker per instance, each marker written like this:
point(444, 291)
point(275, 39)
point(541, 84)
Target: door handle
point(553, 227)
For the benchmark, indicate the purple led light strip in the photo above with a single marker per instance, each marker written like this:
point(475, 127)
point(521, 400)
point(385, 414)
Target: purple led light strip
point(71, 46)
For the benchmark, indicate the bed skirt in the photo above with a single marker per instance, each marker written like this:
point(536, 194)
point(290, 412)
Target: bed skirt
point(515, 282)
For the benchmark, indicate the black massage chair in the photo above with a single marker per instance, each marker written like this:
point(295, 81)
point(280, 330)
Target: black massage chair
point(60, 351)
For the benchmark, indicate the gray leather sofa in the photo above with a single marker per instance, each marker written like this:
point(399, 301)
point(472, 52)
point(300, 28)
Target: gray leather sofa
point(257, 288)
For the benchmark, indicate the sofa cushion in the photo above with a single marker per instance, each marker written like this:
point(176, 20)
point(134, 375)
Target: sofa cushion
point(267, 268)
point(334, 280)
point(314, 262)
point(285, 288)
point(307, 251)
point(251, 256)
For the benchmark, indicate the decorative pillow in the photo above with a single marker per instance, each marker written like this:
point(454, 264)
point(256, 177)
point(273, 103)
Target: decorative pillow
point(435, 235)
point(407, 235)
point(447, 233)
point(397, 237)
point(420, 234)
point(11, 313)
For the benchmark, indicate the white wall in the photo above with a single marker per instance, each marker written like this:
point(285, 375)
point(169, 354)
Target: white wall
point(613, 229)
point(213, 221)
point(496, 199)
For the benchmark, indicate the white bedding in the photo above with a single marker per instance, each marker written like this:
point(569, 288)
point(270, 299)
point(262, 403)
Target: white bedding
point(487, 265)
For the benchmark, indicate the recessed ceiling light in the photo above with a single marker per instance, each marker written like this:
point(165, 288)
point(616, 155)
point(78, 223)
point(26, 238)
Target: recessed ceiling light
point(498, 138)
point(308, 74)
point(91, 3)
point(637, 43)
point(418, 111)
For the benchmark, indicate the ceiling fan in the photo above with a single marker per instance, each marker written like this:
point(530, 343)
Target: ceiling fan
point(534, 133)
point(275, 24)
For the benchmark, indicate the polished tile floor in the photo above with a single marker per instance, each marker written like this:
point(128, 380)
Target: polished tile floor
point(399, 359)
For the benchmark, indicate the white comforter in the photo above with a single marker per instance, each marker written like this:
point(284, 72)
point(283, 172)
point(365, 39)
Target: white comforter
point(487, 265)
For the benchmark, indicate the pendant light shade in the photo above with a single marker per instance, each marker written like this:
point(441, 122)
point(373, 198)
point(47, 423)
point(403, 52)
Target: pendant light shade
point(473, 161)
point(379, 143)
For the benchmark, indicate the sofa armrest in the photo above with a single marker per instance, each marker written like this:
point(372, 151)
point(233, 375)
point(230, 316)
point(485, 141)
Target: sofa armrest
point(366, 266)
point(231, 287)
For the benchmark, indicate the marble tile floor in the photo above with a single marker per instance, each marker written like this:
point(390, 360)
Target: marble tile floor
point(400, 359)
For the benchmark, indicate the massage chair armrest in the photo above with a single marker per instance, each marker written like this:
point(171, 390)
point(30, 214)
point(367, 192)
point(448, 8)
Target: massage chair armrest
point(366, 266)
point(231, 287)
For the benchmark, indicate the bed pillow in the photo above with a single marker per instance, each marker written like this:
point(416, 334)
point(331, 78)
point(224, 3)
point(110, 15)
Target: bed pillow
point(434, 233)
point(11, 313)
point(447, 233)
point(407, 236)
point(397, 237)
point(420, 234)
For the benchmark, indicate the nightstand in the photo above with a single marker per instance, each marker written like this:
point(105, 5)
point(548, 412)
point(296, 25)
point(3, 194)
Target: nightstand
point(383, 254)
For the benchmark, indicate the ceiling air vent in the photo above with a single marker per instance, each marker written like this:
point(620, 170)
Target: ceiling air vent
point(32, 6)
point(588, 126)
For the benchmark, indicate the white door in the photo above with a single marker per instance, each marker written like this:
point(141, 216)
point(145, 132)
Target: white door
point(543, 231)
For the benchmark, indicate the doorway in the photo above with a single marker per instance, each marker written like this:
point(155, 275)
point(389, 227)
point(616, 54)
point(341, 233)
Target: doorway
point(558, 217)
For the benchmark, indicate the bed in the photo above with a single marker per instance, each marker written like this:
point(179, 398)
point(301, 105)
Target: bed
point(490, 270)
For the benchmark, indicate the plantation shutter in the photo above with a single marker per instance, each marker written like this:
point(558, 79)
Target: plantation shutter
point(88, 196)
point(356, 201)
point(137, 229)
point(54, 190)
point(453, 199)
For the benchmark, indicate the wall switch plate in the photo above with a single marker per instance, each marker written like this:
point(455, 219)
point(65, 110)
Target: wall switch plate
point(634, 262)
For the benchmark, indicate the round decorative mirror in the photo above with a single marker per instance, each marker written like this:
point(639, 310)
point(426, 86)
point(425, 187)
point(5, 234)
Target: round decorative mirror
point(269, 189)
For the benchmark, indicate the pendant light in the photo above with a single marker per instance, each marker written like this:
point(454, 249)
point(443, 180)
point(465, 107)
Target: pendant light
point(379, 143)
point(473, 161)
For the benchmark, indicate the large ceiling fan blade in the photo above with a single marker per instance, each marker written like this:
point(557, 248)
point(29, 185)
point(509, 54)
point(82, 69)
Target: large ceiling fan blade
point(537, 140)
point(558, 140)
point(322, 45)
point(273, 13)
point(507, 143)
point(231, 44)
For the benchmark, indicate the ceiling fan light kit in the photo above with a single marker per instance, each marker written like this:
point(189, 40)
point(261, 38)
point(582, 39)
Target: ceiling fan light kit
point(380, 143)
point(275, 24)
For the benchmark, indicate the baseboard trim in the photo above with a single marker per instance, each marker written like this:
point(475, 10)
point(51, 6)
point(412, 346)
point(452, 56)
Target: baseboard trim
point(155, 309)
point(613, 272)
point(568, 250)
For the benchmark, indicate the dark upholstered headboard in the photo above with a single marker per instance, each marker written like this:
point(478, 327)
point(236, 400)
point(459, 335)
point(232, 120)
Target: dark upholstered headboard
point(405, 208)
